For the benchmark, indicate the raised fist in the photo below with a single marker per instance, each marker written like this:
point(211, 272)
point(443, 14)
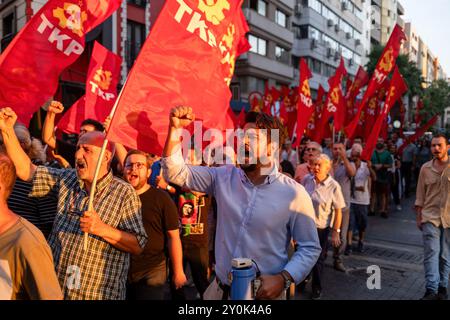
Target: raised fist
point(181, 117)
point(7, 118)
point(55, 107)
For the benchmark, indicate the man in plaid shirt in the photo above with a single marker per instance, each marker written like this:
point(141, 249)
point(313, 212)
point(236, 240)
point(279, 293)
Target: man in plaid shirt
point(115, 226)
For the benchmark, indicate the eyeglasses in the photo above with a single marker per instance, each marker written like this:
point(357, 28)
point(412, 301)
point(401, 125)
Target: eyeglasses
point(312, 149)
point(138, 165)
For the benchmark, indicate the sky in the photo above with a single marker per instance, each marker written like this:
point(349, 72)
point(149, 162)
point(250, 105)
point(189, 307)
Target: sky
point(431, 19)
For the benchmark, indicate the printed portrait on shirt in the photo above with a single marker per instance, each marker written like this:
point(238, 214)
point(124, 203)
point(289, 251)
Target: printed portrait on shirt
point(189, 211)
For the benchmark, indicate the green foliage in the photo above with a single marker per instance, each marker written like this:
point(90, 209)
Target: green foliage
point(436, 99)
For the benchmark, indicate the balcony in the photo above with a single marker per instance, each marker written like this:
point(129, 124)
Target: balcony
point(264, 24)
point(254, 61)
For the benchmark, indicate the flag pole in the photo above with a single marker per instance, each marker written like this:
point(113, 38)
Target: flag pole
point(97, 168)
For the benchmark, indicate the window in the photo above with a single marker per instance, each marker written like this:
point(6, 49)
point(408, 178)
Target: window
point(346, 27)
point(357, 59)
point(281, 54)
point(347, 53)
point(280, 18)
point(258, 45)
point(9, 30)
point(330, 42)
point(315, 65)
point(313, 33)
point(259, 6)
point(300, 32)
point(315, 5)
point(139, 3)
point(135, 40)
point(330, 15)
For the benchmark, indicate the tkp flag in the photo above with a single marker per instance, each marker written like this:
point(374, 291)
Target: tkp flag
point(396, 90)
point(188, 59)
point(385, 65)
point(101, 91)
point(305, 106)
point(51, 41)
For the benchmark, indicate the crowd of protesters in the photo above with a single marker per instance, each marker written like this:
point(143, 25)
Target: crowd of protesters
point(160, 222)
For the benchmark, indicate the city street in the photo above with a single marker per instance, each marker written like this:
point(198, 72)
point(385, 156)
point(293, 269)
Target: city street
point(393, 244)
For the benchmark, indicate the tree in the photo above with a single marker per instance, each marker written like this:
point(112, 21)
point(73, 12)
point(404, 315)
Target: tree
point(436, 99)
point(409, 71)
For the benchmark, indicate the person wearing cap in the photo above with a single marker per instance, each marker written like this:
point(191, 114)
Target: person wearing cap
point(115, 225)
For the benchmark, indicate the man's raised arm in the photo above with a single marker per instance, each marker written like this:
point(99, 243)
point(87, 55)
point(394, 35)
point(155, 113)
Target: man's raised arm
point(24, 168)
point(175, 170)
point(48, 129)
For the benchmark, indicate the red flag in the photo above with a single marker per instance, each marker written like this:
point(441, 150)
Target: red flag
point(418, 117)
point(373, 108)
point(318, 105)
point(419, 133)
point(334, 104)
point(360, 81)
point(270, 97)
point(52, 40)
point(241, 118)
point(402, 119)
point(188, 59)
point(396, 90)
point(101, 91)
point(305, 106)
point(384, 66)
point(291, 110)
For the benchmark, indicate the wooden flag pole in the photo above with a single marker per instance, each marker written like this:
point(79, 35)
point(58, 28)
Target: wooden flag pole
point(97, 168)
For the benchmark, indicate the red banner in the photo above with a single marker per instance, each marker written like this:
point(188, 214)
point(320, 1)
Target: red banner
point(361, 79)
point(334, 104)
point(419, 133)
point(51, 41)
point(188, 59)
point(305, 106)
point(315, 117)
point(396, 90)
point(384, 67)
point(101, 91)
point(270, 97)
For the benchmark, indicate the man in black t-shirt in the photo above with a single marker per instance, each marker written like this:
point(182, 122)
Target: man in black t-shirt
point(148, 272)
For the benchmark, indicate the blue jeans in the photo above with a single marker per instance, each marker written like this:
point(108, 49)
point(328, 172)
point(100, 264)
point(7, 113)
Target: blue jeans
point(436, 256)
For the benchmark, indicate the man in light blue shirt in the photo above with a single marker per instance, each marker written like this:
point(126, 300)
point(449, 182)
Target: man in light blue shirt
point(257, 214)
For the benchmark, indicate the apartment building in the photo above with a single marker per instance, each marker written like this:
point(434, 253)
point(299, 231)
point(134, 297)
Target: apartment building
point(324, 31)
point(272, 39)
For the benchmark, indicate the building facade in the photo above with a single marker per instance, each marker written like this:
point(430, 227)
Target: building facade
point(271, 39)
point(324, 31)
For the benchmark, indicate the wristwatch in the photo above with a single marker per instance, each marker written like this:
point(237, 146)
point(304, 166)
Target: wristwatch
point(337, 230)
point(287, 279)
point(168, 188)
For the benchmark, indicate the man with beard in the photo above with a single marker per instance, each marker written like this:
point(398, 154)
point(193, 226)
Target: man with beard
point(114, 226)
point(148, 272)
point(433, 218)
point(259, 210)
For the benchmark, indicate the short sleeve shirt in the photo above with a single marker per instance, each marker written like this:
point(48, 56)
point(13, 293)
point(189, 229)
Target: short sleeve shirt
point(326, 197)
point(383, 158)
point(101, 271)
point(159, 214)
point(362, 180)
point(26, 266)
point(341, 176)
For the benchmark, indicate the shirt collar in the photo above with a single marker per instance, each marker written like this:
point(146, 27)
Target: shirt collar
point(101, 183)
point(271, 177)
